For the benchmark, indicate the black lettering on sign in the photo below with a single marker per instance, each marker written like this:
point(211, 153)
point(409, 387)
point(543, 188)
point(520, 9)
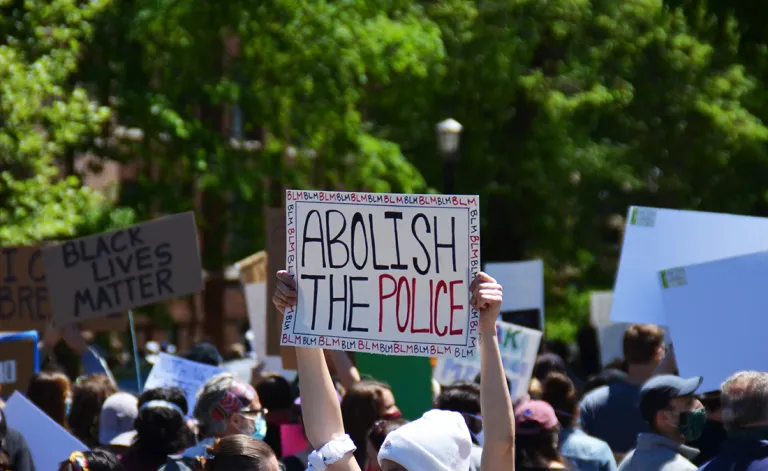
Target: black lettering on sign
point(442, 245)
point(396, 216)
point(124, 268)
point(23, 294)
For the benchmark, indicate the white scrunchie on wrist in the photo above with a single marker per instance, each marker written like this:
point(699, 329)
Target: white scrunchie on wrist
point(330, 453)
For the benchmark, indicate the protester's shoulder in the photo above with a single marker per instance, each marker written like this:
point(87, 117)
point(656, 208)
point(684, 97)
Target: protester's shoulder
point(14, 441)
point(678, 463)
point(627, 463)
point(585, 443)
point(596, 396)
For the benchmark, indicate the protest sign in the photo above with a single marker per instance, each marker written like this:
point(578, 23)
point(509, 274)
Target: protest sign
point(383, 273)
point(655, 239)
point(523, 283)
point(253, 277)
point(19, 360)
point(610, 335)
point(519, 347)
point(115, 271)
point(716, 314)
point(49, 443)
point(24, 302)
point(189, 376)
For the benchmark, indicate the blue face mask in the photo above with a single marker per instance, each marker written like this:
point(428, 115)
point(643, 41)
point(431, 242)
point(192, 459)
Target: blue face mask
point(257, 427)
point(260, 430)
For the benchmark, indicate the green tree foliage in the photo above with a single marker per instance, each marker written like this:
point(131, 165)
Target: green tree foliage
point(302, 74)
point(575, 110)
point(42, 117)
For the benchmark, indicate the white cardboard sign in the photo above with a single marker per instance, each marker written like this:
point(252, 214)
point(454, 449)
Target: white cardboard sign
point(189, 376)
point(49, 443)
point(116, 271)
point(256, 302)
point(656, 239)
point(716, 313)
point(523, 284)
point(382, 273)
point(519, 347)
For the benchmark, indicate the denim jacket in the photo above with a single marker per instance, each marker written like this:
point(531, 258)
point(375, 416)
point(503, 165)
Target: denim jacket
point(586, 452)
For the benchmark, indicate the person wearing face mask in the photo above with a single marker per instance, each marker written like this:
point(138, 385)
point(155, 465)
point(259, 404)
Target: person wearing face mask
point(674, 416)
point(225, 406)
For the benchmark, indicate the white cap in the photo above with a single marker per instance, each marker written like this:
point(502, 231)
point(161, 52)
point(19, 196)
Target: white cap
point(438, 441)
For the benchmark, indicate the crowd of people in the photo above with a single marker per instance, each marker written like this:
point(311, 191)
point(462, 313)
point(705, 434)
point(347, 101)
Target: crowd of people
point(638, 416)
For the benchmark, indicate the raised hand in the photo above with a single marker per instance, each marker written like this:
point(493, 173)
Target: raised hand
point(285, 292)
point(486, 296)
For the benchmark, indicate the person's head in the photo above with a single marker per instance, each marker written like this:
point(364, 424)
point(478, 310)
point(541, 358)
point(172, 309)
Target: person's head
point(745, 400)
point(643, 345)
point(547, 363)
point(205, 353)
point(51, 393)
point(241, 453)
point(88, 396)
point(275, 392)
point(227, 406)
point(668, 405)
point(560, 393)
point(161, 426)
point(376, 436)
point(438, 440)
point(117, 416)
point(536, 435)
point(364, 404)
point(96, 460)
point(713, 403)
point(463, 398)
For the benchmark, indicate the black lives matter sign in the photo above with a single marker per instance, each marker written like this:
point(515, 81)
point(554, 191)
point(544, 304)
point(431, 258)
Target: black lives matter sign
point(382, 273)
point(124, 269)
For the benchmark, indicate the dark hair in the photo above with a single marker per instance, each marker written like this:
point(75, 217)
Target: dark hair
point(537, 450)
point(641, 342)
point(49, 392)
point(558, 390)
point(98, 460)
point(464, 398)
point(361, 407)
point(162, 431)
point(606, 377)
point(239, 452)
point(5, 459)
point(88, 396)
point(274, 393)
point(205, 353)
point(379, 431)
point(548, 363)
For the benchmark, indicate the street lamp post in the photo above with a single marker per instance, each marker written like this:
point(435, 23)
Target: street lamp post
point(448, 136)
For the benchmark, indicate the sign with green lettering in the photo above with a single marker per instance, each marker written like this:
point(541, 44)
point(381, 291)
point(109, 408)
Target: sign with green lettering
point(115, 271)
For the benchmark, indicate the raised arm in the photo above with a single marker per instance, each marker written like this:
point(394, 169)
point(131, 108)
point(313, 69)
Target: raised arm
point(345, 370)
point(495, 402)
point(320, 408)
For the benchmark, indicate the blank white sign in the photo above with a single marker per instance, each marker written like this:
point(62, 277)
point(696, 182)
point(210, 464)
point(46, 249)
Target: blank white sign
point(656, 239)
point(716, 313)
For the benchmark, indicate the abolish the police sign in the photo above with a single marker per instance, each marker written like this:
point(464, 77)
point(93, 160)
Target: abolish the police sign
point(383, 273)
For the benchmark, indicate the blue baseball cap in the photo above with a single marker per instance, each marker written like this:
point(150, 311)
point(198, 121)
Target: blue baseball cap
point(658, 391)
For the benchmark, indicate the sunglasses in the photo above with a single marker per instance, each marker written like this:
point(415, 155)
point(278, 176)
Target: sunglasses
point(253, 413)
